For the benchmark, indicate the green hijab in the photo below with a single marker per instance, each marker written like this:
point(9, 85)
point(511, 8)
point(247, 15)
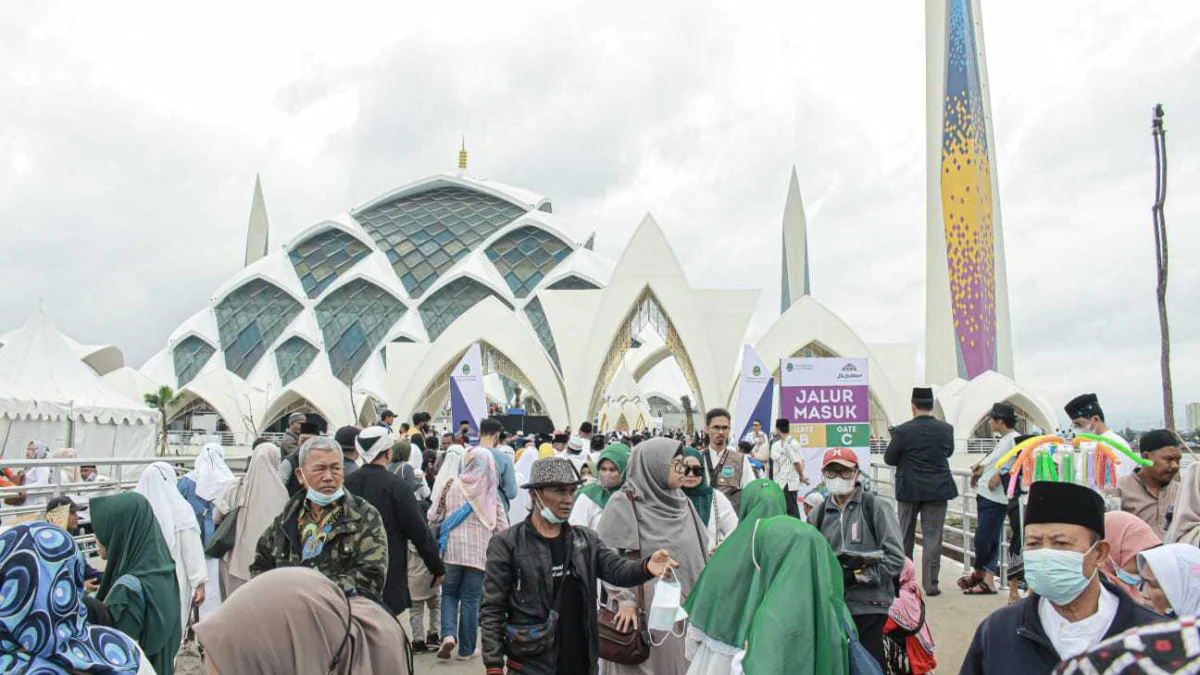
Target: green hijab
point(762, 499)
point(618, 454)
point(126, 526)
point(702, 494)
point(788, 586)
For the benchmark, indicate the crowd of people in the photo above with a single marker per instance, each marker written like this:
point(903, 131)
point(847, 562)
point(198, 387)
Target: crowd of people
point(577, 553)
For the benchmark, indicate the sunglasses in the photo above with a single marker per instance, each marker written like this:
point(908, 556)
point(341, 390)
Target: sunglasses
point(692, 471)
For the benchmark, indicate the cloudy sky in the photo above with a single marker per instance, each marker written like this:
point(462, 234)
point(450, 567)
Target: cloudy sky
point(130, 135)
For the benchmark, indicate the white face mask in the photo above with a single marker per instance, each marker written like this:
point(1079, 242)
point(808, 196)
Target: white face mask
point(839, 486)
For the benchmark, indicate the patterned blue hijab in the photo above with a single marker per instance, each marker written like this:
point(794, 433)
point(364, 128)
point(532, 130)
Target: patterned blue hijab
point(43, 623)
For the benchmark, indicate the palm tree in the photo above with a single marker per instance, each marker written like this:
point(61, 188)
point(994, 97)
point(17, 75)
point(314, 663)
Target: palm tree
point(686, 402)
point(516, 395)
point(160, 400)
point(532, 406)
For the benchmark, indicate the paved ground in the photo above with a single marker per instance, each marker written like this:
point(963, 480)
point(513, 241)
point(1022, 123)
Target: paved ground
point(952, 616)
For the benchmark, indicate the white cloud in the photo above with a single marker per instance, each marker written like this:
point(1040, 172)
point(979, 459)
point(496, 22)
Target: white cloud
point(130, 135)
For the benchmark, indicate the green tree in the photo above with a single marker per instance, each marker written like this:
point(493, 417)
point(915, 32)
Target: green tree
point(685, 401)
point(160, 400)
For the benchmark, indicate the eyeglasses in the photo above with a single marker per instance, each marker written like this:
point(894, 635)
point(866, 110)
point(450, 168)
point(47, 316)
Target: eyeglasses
point(692, 471)
point(679, 467)
point(832, 471)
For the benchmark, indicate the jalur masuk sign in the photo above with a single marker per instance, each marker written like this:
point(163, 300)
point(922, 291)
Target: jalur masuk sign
point(827, 403)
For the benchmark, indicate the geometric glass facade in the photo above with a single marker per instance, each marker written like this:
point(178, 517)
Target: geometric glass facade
point(293, 357)
point(424, 234)
point(451, 301)
point(248, 321)
point(189, 356)
point(353, 320)
point(525, 256)
point(537, 317)
point(572, 283)
point(321, 258)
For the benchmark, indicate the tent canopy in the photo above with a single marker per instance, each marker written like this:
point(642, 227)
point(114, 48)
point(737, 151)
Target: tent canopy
point(41, 377)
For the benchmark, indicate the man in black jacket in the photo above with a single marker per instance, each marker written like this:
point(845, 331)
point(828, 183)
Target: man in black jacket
point(402, 518)
point(920, 450)
point(544, 564)
point(1071, 608)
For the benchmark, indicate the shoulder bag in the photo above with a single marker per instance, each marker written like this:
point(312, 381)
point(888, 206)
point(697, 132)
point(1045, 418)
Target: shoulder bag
point(224, 537)
point(190, 658)
point(632, 646)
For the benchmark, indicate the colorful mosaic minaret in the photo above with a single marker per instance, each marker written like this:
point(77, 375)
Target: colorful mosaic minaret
point(967, 330)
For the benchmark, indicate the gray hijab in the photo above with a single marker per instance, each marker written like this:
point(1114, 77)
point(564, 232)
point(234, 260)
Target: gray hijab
point(666, 518)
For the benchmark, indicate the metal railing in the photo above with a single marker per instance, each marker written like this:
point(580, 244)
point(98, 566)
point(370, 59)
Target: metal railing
point(963, 506)
point(973, 446)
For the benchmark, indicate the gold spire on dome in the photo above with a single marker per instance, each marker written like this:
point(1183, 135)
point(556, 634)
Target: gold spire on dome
point(462, 156)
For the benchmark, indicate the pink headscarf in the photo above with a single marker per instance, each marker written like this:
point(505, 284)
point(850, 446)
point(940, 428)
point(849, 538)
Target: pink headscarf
point(479, 485)
point(906, 608)
point(1128, 536)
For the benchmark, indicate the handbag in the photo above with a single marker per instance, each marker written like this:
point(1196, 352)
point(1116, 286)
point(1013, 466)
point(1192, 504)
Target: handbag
point(435, 526)
point(861, 661)
point(225, 536)
point(631, 646)
point(190, 658)
point(528, 640)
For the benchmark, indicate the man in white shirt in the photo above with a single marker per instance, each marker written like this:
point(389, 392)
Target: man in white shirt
point(1088, 418)
point(786, 465)
point(991, 503)
point(760, 442)
point(1071, 608)
point(728, 470)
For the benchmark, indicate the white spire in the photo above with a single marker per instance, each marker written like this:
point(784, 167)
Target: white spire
point(590, 244)
point(257, 229)
point(794, 281)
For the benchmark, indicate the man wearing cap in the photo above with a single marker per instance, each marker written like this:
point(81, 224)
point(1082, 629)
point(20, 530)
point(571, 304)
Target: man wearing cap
point(1149, 492)
point(920, 450)
point(1088, 418)
point(291, 437)
point(559, 443)
point(991, 503)
point(386, 419)
point(403, 520)
point(544, 565)
point(866, 538)
point(786, 465)
point(1072, 607)
point(345, 437)
point(576, 452)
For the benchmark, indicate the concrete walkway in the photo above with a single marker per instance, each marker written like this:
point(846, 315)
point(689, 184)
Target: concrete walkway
point(952, 616)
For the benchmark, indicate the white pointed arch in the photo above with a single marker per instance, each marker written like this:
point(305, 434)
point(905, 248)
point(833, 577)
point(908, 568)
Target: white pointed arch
point(808, 322)
point(965, 404)
point(324, 393)
point(590, 327)
point(239, 404)
point(418, 372)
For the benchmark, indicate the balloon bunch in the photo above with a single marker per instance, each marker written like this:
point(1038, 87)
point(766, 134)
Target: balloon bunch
point(1093, 464)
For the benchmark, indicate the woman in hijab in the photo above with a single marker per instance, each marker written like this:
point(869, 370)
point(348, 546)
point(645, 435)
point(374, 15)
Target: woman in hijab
point(43, 623)
point(295, 620)
point(1185, 524)
point(200, 487)
point(792, 617)
point(715, 636)
point(650, 513)
point(591, 499)
point(259, 498)
point(182, 534)
point(1127, 536)
point(714, 507)
point(470, 512)
point(546, 450)
point(139, 587)
point(1171, 579)
point(909, 644)
point(520, 505)
point(448, 470)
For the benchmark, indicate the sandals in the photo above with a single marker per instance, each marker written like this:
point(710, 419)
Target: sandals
point(980, 589)
point(971, 580)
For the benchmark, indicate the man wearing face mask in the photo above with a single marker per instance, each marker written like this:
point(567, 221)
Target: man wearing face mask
point(1087, 417)
point(1072, 607)
point(538, 615)
point(326, 528)
point(865, 535)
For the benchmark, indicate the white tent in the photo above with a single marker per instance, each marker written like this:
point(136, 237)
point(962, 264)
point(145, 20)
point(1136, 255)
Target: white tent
point(47, 393)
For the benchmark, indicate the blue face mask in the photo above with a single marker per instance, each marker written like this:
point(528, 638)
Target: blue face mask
point(1127, 578)
point(323, 499)
point(1056, 575)
point(548, 514)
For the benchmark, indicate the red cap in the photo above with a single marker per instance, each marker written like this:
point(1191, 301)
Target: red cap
point(843, 456)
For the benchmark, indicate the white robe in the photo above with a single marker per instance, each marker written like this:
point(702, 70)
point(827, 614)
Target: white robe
point(721, 522)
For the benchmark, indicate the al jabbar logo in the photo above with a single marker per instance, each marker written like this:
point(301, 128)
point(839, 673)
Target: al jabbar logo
point(466, 369)
point(756, 371)
point(849, 372)
point(791, 367)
